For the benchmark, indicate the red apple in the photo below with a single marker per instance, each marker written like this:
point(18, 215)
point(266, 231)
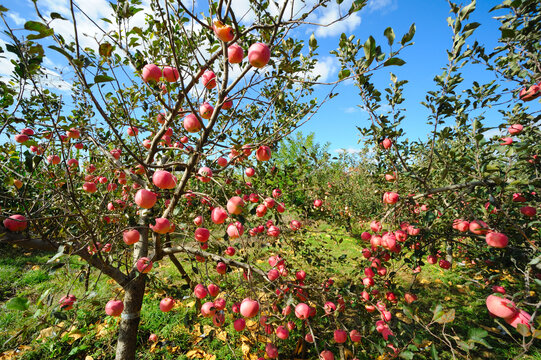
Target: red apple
point(209, 79)
point(191, 123)
point(170, 74)
point(164, 179)
point(501, 307)
point(145, 199)
point(114, 307)
point(218, 215)
point(235, 54)
point(249, 308)
point(235, 205)
point(263, 153)
point(162, 226)
point(130, 237)
point(16, 223)
point(497, 240)
point(223, 31)
point(259, 55)
point(167, 304)
point(151, 72)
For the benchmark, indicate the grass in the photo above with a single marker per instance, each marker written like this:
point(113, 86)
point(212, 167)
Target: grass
point(43, 332)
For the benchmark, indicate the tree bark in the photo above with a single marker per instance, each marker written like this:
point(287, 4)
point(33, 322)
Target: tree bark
point(129, 321)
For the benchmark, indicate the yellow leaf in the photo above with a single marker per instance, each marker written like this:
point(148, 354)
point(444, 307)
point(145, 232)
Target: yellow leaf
point(88, 357)
point(245, 348)
point(221, 335)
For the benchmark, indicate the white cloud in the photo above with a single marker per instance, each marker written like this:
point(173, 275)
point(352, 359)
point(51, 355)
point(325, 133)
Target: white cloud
point(348, 151)
point(332, 13)
point(17, 19)
point(381, 5)
point(327, 67)
point(351, 109)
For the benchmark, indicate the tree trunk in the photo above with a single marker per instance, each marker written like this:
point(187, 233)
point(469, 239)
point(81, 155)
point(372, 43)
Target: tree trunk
point(129, 322)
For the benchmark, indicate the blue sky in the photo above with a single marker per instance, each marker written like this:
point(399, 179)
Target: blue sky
point(337, 120)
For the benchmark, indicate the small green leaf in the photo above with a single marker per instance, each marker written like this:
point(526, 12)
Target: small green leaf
point(36, 26)
point(446, 317)
point(434, 352)
point(523, 329)
point(102, 78)
point(409, 35)
point(55, 15)
point(343, 74)
point(394, 61)
point(389, 34)
point(18, 303)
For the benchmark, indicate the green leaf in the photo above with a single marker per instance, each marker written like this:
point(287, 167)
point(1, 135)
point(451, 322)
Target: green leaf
point(36, 26)
point(102, 78)
point(369, 48)
point(343, 74)
point(406, 355)
point(523, 329)
point(409, 35)
point(434, 352)
point(3, 9)
point(357, 5)
point(17, 303)
point(446, 317)
point(389, 34)
point(55, 15)
point(394, 61)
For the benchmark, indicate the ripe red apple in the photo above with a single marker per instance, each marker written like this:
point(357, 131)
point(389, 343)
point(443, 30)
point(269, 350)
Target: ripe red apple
point(273, 274)
point(53, 159)
point(340, 336)
point(21, 138)
point(151, 72)
point(497, 240)
point(130, 237)
point(235, 54)
point(309, 338)
point(144, 265)
point(302, 311)
point(318, 203)
point(249, 308)
point(218, 215)
point(271, 350)
point(27, 131)
point(227, 104)
point(410, 297)
point(73, 133)
point(479, 227)
point(230, 251)
point(221, 268)
point(444, 264)
point(386, 143)
point(259, 55)
point(282, 332)
point(145, 199)
point(326, 355)
point(522, 317)
point(164, 179)
point(515, 129)
point(153, 338)
point(90, 187)
point(295, 225)
point(273, 231)
point(208, 309)
point(235, 230)
point(206, 110)
point(235, 205)
point(355, 336)
point(167, 304)
point(390, 197)
point(239, 324)
point(375, 226)
point(263, 153)
point(498, 289)
point(66, 302)
point(506, 141)
point(209, 79)
point(191, 123)
point(202, 234)
point(162, 226)
point(219, 303)
point(114, 307)
point(531, 93)
point(250, 172)
point(213, 290)
point(200, 291)
point(221, 161)
point(170, 74)
point(300, 275)
point(16, 223)
point(528, 211)
point(501, 307)
point(198, 220)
